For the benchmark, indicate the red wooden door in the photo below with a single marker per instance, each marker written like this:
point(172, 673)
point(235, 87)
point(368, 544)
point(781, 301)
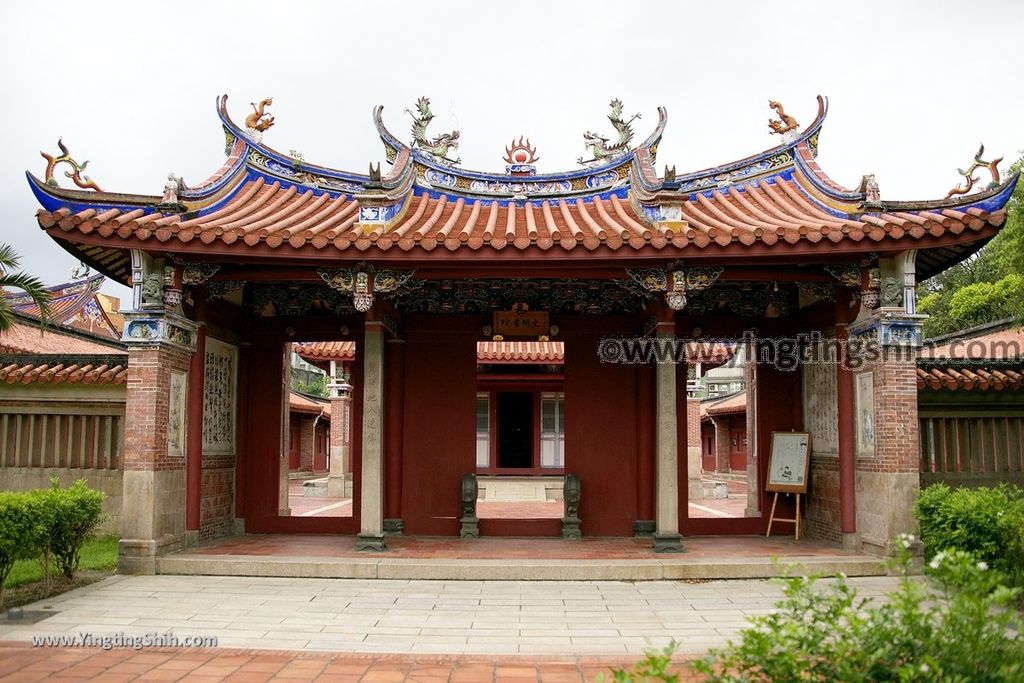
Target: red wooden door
point(293, 445)
point(320, 449)
point(708, 451)
point(738, 448)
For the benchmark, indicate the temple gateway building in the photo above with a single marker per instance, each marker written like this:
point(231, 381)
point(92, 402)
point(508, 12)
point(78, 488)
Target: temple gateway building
point(420, 268)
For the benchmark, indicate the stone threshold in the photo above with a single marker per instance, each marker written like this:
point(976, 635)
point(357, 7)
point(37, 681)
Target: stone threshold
point(655, 569)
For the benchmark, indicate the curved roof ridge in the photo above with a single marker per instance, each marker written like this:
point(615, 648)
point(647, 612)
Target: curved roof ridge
point(299, 164)
point(808, 132)
point(395, 145)
point(235, 161)
point(806, 158)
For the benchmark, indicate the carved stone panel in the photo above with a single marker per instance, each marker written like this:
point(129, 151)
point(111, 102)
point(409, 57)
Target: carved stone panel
point(177, 393)
point(821, 407)
point(219, 389)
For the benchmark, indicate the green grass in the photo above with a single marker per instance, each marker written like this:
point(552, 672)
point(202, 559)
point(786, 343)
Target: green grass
point(97, 553)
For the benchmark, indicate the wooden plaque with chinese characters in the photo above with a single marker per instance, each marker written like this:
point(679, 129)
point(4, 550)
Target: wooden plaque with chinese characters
point(788, 462)
point(521, 323)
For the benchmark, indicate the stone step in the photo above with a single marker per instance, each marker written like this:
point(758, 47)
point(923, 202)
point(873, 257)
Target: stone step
point(677, 567)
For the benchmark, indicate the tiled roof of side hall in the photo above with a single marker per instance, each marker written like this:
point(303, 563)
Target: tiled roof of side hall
point(26, 336)
point(777, 201)
point(75, 367)
point(971, 377)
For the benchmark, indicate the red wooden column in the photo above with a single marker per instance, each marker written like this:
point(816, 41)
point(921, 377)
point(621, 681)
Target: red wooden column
point(194, 430)
point(394, 395)
point(644, 524)
point(847, 454)
point(242, 433)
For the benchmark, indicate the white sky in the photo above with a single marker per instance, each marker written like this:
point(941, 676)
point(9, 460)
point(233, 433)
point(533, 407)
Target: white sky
point(130, 86)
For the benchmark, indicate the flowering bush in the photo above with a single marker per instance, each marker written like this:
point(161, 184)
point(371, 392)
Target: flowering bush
point(958, 624)
point(987, 522)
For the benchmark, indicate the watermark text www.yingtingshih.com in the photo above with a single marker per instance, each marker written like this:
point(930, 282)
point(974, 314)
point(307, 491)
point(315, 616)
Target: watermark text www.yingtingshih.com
point(120, 640)
point(789, 353)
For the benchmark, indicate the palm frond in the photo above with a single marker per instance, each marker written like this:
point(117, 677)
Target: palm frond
point(32, 286)
point(9, 258)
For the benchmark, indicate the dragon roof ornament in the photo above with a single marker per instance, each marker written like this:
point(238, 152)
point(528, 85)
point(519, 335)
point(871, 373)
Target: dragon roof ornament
point(437, 147)
point(76, 175)
point(601, 147)
point(993, 169)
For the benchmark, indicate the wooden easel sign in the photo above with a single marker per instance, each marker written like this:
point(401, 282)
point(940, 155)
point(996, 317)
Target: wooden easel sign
point(788, 466)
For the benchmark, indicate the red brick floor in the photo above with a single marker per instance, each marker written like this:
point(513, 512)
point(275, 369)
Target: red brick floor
point(22, 663)
point(420, 547)
point(520, 509)
point(320, 506)
point(315, 506)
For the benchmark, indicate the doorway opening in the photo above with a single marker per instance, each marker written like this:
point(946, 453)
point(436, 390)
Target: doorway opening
point(520, 430)
point(727, 485)
point(317, 476)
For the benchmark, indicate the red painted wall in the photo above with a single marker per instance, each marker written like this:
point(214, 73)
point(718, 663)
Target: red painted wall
point(601, 426)
point(439, 437)
point(264, 417)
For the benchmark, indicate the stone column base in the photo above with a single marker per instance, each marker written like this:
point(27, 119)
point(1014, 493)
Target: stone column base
point(695, 489)
point(138, 555)
point(851, 541)
point(371, 543)
point(394, 527)
point(470, 527)
point(667, 543)
point(571, 528)
point(339, 487)
point(644, 528)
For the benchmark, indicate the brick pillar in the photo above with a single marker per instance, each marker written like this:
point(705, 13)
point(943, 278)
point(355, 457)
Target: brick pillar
point(722, 443)
point(339, 478)
point(307, 442)
point(886, 428)
point(155, 439)
point(693, 449)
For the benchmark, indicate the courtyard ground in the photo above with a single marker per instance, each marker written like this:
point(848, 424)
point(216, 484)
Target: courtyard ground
point(383, 629)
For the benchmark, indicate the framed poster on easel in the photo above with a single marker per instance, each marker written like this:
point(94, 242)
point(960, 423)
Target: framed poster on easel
point(788, 466)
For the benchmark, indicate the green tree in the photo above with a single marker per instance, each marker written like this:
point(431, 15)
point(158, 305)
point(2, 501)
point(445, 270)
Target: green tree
point(11, 277)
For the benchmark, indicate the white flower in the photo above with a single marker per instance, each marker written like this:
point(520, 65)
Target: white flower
point(924, 668)
point(934, 564)
point(983, 565)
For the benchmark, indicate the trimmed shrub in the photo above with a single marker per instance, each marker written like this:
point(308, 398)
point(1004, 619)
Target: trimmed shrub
point(21, 532)
point(988, 522)
point(960, 626)
point(70, 516)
